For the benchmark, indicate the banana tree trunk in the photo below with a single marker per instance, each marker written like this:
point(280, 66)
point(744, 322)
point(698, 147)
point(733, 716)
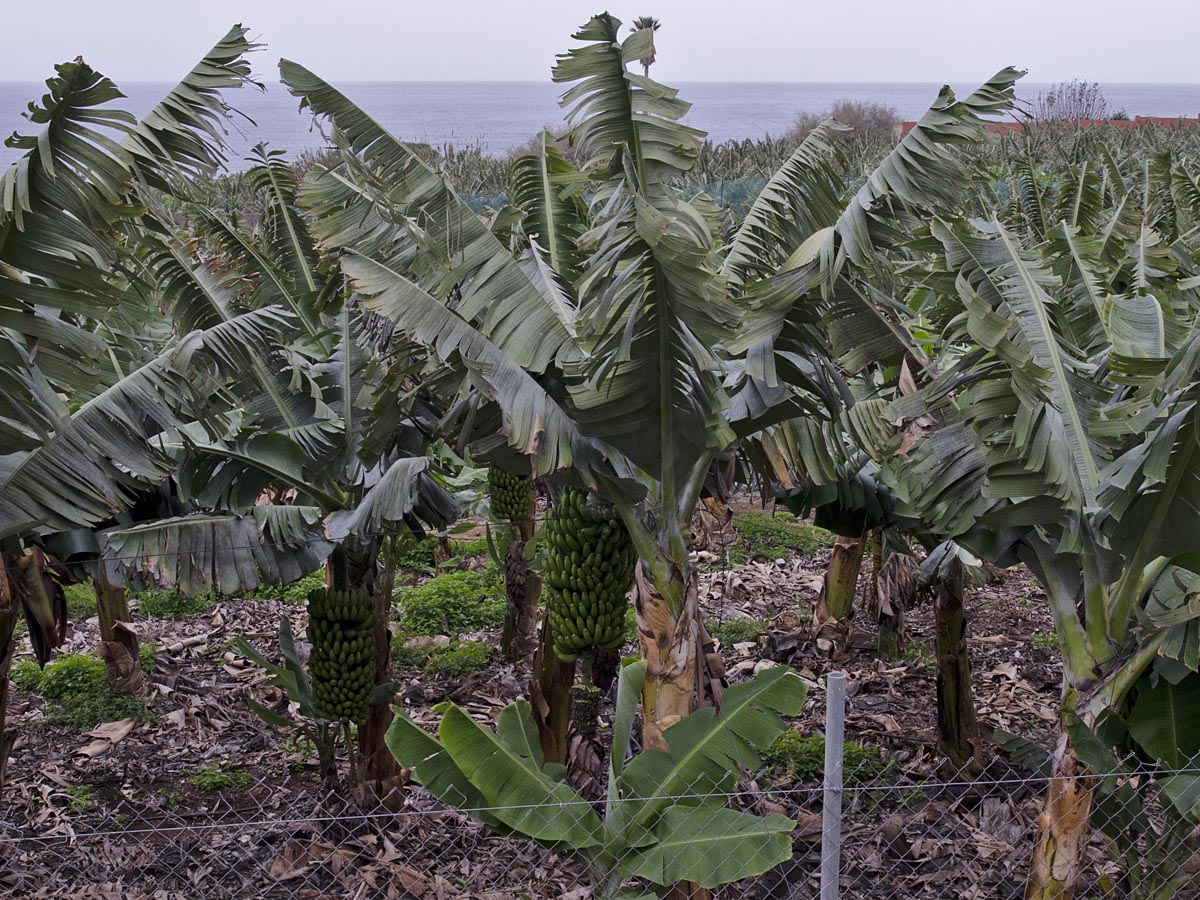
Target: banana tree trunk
point(958, 730)
point(713, 525)
point(550, 695)
point(118, 645)
point(890, 643)
point(521, 594)
point(8, 736)
point(8, 625)
point(551, 679)
point(895, 589)
point(586, 755)
point(837, 594)
point(713, 518)
point(1062, 828)
point(669, 635)
point(683, 671)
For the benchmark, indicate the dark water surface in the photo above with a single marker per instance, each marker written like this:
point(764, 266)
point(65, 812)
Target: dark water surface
point(501, 115)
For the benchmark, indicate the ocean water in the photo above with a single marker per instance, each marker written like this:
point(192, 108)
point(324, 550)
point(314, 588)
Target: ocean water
point(501, 115)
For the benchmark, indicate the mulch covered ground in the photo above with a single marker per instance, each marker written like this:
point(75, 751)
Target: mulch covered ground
point(141, 830)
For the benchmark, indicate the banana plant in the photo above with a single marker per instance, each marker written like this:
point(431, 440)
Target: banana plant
point(665, 818)
point(1061, 433)
point(81, 423)
point(608, 344)
point(303, 465)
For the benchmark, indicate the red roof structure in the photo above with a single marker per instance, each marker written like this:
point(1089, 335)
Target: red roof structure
point(1124, 124)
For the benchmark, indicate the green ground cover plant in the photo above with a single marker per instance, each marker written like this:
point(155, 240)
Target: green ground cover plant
point(452, 603)
point(76, 690)
point(802, 758)
point(769, 536)
point(220, 776)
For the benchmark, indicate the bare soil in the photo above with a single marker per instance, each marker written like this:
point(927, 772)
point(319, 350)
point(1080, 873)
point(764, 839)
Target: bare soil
point(142, 830)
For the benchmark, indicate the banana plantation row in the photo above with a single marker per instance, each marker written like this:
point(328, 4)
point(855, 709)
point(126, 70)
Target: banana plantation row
point(985, 356)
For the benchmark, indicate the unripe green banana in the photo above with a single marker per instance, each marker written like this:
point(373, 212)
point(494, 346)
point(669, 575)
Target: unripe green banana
point(588, 571)
point(341, 663)
point(511, 495)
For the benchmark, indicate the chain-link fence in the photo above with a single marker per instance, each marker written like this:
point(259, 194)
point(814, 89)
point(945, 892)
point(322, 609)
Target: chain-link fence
point(858, 824)
point(898, 835)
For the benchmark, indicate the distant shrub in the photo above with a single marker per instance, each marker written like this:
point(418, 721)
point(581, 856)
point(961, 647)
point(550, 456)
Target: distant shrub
point(803, 758)
point(76, 687)
point(171, 604)
point(767, 537)
point(453, 603)
point(219, 777)
point(81, 600)
point(736, 631)
point(866, 122)
point(463, 659)
point(1069, 101)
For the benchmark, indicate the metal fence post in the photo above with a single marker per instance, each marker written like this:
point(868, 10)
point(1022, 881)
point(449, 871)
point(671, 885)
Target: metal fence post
point(831, 807)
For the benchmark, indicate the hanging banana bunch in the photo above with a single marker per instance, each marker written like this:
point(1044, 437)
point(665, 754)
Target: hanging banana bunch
point(512, 502)
point(511, 495)
point(588, 571)
point(341, 629)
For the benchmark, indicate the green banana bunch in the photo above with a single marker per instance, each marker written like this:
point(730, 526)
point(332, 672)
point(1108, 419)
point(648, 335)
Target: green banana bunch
point(511, 495)
point(587, 572)
point(341, 629)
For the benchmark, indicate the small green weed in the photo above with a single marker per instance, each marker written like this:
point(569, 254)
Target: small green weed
point(453, 603)
point(217, 653)
point(768, 537)
point(918, 654)
point(469, 548)
point(420, 556)
point(914, 797)
point(294, 594)
point(164, 604)
point(81, 601)
point(72, 675)
point(84, 713)
point(81, 799)
point(299, 745)
point(736, 631)
point(803, 758)
point(456, 659)
point(170, 800)
point(218, 776)
point(148, 656)
point(77, 690)
point(1041, 639)
point(26, 675)
point(467, 657)
point(408, 657)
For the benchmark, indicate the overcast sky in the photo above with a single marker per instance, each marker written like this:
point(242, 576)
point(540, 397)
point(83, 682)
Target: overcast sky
point(701, 40)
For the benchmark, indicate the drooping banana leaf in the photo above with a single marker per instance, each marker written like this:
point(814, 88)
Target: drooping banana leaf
point(227, 554)
point(710, 846)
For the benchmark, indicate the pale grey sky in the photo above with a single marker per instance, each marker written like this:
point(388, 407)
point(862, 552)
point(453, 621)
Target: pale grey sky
point(701, 40)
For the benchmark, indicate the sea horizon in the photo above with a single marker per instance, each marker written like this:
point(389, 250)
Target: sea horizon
point(501, 115)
